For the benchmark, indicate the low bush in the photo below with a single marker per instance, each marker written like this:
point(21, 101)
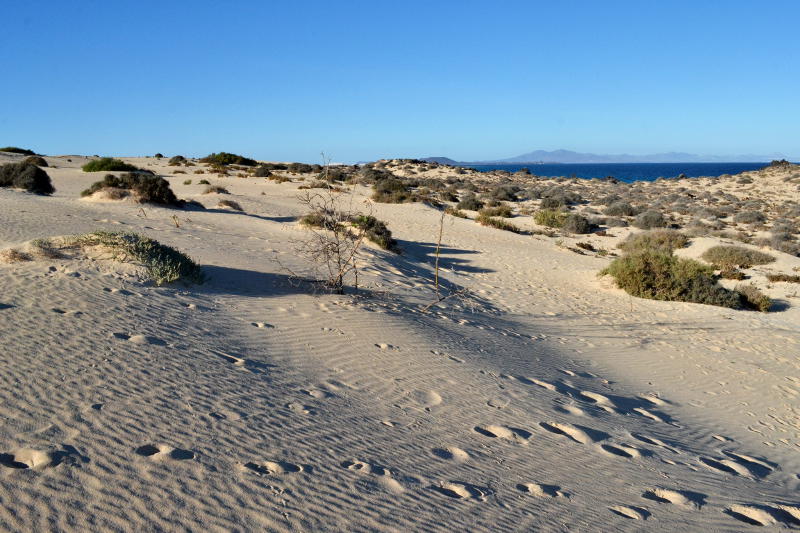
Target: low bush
point(553, 203)
point(503, 211)
point(26, 176)
point(659, 239)
point(230, 204)
point(146, 188)
point(37, 160)
point(551, 218)
point(159, 155)
point(162, 263)
point(187, 182)
point(783, 277)
point(262, 172)
point(650, 220)
point(376, 231)
point(455, 212)
point(225, 158)
point(215, 189)
point(575, 223)
point(749, 217)
point(752, 298)
point(732, 273)
point(176, 160)
point(470, 202)
point(108, 164)
point(726, 257)
point(620, 209)
point(498, 223)
point(203, 182)
point(15, 150)
point(659, 275)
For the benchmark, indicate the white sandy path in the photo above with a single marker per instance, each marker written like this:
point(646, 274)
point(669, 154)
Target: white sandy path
point(247, 404)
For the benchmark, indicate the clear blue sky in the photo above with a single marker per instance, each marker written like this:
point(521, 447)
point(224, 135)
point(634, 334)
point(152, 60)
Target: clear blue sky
point(364, 80)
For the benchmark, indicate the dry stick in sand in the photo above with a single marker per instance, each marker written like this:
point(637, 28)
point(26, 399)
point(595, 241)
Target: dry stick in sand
point(439, 297)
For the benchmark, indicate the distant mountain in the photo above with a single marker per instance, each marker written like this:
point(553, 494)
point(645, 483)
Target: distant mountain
point(441, 160)
point(567, 156)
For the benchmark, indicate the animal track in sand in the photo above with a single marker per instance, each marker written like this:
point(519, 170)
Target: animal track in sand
point(161, 451)
point(542, 491)
point(505, 432)
point(273, 468)
point(579, 434)
point(451, 454)
point(621, 450)
point(633, 513)
point(459, 490)
point(681, 498)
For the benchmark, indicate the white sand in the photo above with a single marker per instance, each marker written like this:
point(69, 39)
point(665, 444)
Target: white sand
point(552, 402)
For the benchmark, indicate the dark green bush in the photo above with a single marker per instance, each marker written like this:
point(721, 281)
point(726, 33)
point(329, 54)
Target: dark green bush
point(262, 172)
point(376, 231)
point(174, 161)
point(26, 176)
point(203, 182)
point(659, 275)
point(108, 164)
point(752, 298)
point(15, 150)
point(37, 160)
point(146, 188)
point(575, 223)
point(225, 158)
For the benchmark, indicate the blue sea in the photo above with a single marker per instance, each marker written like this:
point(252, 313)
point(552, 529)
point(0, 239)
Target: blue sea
point(628, 171)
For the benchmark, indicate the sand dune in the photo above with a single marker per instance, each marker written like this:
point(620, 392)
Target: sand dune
point(551, 400)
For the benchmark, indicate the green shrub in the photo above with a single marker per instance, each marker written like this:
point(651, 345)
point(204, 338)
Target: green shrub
point(376, 231)
point(37, 160)
point(146, 188)
point(262, 172)
point(162, 263)
point(15, 150)
point(550, 218)
point(26, 176)
point(659, 275)
point(225, 158)
point(215, 189)
point(187, 182)
point(470, 202)
point(752, 298)
point(203, 182)
point(159, 155)
point(575, 223)
point(650, 220)
point(658, 239)
point(108, 164)
point(498, 223)
point(176, 160)
point(499, 211)
point(726, 257)
point(621, 209)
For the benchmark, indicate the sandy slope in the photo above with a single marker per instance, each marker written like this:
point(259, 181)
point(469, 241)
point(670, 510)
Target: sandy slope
point(551, 401)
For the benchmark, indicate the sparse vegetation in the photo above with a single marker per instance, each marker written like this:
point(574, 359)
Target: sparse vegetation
point(108, 164)
point(470, 202)
point(145, 188)
point(783, 277)
point(497, 223)
point(725, 257)
point(455, 212)
point(175, 161)
point(503, 211)
point(578, 224)
point(225, 158)
point(650, 220)
point(752, 298)
point(620, 209)
point(551, 218)
point(659, 239)
point(215, 189)
point(229, 204)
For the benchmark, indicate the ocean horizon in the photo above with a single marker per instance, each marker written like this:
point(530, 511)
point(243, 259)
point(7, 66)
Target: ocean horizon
point(627, 172)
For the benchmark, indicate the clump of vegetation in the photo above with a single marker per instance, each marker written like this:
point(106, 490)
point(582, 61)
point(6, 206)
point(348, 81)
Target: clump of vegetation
point(726, 257)
point(470, 202)
point(203, 182)
point(230, 204)
point(262, 172)
point(225, 158)
point(552, 218)
point(732, 273)
point(498, 223)
point(215, 189)
point(659, 275)
point(503, 211)
point(659, 239)
point(376, 231)
point(649, 220)
point(163, 264)
point(108, 164)
point(12, 255)
point(37, 160)
point(144, 187)
point(620, 209)
point(175, 161)
point(393, 191)
point(159, 155)
point(187, 182)
point(783, 277)
point(26, 176)
point(752, 298)
point(452, 211)
point(15, 150)
point(749, 217)
point(575, 223)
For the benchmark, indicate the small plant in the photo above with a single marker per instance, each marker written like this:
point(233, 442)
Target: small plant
point(550, 218)
point(12, 255)
point(215, 189)
point(650, 220)
point(726, 257)
point(187, 182)
point(37, 160)
point(163, 264)
point(203, 182)
point(108, 164)
point(470, 202)
point(146, 188)
point(455, 212)
point(229, 204)
point(783, 277)
point(732, 273)
point(497, 223)
point(176, 160)
point(659, 239)
point(620, 209)
point(262, 172)
point(375, 231)
point(575, 223)
point(26, 176)
point(499, 211)
point(749, 217)
point(199, 171)
point(752, 298)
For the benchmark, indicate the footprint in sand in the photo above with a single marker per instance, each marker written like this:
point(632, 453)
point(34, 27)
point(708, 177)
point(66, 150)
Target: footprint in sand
point(621, 450)
point(505, 432)
point(366, 468)
point(632, 513)
point(542, 491)
point(580, 434)
point(681, 498)
point(262, 325)
point(273, 468)
point(459, 490)
point(451, 454)
point(158, 452)
point(766, 515)
point(652, 441)
point(735, 468)
point(384, 346)
point(384, 480)
point(427, 398)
